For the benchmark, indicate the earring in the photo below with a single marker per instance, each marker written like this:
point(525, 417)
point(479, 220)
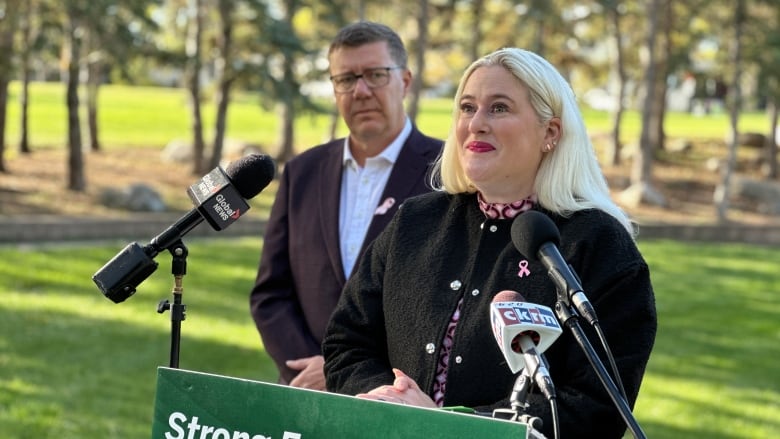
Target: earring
point(547, 148)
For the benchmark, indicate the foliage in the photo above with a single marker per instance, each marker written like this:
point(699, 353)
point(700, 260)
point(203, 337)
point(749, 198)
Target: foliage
point(76, 365)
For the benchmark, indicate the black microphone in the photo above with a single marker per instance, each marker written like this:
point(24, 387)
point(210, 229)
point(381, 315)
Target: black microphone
point(219, 198)
point(534, 234)
point(523, 332)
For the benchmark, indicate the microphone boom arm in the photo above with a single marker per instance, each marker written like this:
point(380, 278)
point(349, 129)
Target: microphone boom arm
point(569, 318)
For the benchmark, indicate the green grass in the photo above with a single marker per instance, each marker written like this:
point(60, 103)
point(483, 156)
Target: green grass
point(153, 116)
point(74, 365)
point(714, 371)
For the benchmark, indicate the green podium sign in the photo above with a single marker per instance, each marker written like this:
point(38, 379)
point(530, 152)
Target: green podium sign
point(195, 405)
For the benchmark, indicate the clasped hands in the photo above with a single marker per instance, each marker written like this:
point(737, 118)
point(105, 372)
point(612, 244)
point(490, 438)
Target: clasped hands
point(403, 391)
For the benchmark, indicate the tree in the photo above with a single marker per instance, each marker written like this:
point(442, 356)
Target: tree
point(770, 171)
point(29, 23)
point(763, 46)
point(118, 32)
point(94, 67)
point(419, 56)
point(8, 20)
point(192, 81)
point(281, 53)
point(721, 195)
point(287, 85)
point(641, 188)
point(40, 45)
point(71, 52)
point(613, 10)
point(224, 77)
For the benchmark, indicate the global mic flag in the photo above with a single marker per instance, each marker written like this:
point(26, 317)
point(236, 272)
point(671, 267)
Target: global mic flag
point(217, 200)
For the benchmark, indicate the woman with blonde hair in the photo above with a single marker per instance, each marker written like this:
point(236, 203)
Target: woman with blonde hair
point(413, 324)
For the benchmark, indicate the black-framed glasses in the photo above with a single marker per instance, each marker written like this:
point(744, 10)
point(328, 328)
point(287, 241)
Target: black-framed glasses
point(374, 78)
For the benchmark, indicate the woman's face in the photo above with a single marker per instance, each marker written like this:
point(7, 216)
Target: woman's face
point(500, 138)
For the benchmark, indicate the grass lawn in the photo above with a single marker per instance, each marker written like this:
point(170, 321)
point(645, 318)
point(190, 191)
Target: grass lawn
point(153, 116)
point(77, 366)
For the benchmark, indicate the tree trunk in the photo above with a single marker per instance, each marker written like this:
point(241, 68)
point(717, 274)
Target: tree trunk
point(770, 170)
point(28, 37)
point(76, 179)
point(286, 107)
point(286, 132)
point(93, 87)
point(333, 124)
point(3, 106)
point(662, 63)
point(538, 15)
point(193, 49)
point(476, 30)
point(721, 195)
point(224, 79)
point(641, 189)
point(613, 15)
point(24, 97)
point(8, 22)
point(419, 56)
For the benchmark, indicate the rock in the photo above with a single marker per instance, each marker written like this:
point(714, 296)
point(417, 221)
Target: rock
point(180, 151)
point(764, 193)
point(641, 193)
point(177, 151)
point(137, 197)
point(682, 146)
point(752, 140)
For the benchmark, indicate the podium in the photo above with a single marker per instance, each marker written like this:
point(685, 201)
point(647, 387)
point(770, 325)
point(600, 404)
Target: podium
point(192, 404)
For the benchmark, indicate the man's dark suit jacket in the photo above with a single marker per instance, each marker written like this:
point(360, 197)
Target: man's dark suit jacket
point(301, 275)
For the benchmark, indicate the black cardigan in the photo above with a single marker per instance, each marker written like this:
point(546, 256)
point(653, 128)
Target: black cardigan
point(438, 249)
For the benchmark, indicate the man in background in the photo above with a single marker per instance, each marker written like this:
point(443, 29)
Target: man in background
point(335, 198)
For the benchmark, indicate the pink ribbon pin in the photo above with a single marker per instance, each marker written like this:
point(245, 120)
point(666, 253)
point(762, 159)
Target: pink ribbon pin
point(385, 206)
point(524, 271)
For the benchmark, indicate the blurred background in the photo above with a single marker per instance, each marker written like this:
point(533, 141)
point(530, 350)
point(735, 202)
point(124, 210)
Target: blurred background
point(110, 109)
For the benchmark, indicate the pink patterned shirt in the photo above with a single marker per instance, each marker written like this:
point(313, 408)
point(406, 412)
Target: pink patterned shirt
point(491, 211)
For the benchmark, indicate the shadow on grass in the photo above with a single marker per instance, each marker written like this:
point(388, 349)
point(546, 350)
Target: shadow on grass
point(79, 377)
point(76, 365)
point(712, 367)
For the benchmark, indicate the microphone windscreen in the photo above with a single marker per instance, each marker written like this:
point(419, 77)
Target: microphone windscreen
point(251, 174)
point(508, 296)
point(532, 229)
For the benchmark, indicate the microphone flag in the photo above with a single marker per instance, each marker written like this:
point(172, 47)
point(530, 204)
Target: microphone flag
point(511, 321)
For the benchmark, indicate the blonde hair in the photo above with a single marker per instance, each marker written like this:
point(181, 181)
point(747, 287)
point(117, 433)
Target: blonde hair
point(569, 178)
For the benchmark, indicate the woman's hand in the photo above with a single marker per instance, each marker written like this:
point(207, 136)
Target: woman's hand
point(403, 391)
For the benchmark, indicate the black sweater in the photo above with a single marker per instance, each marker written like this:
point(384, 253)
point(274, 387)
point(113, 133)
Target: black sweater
point(438, 249)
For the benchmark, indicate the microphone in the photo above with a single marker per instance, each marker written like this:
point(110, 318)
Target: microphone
point(219, 198)
point(534, 234)
point(523, 332)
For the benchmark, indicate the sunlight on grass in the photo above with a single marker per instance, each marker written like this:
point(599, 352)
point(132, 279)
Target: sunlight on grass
point(78, 366)
point(133, 116)
point(712, 372)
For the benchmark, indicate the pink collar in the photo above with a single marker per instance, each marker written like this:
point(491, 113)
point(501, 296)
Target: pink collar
point(505, 210)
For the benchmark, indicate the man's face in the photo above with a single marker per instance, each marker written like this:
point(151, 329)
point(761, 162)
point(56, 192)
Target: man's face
point(371, 113)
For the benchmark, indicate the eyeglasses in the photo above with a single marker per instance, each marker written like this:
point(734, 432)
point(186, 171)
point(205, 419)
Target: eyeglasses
point(374, 78)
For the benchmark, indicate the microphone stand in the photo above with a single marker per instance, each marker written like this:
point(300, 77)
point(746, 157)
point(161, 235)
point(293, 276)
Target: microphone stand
point(568, 317)
point(518, 402)
point(178, 310)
